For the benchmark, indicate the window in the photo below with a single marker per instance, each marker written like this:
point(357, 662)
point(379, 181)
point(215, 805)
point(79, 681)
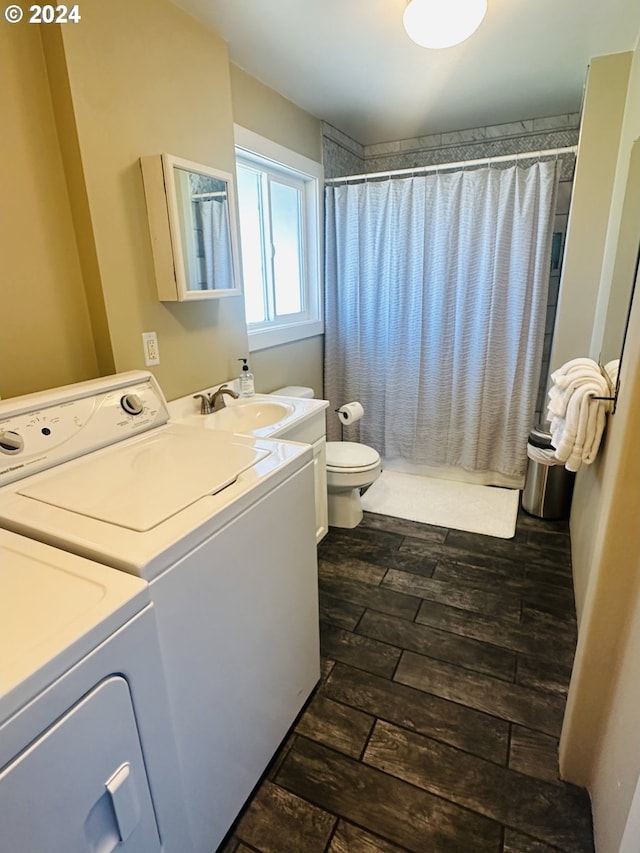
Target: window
point(279, 209)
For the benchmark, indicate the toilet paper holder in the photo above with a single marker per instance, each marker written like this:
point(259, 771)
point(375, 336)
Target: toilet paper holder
point(349, 414)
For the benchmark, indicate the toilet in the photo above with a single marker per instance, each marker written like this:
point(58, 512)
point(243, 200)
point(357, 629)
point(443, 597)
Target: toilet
point(351, 467)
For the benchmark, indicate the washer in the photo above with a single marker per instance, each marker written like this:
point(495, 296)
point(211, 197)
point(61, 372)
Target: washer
point(84, 763)
point(220, 525)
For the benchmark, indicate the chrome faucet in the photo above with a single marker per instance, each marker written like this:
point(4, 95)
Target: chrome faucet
point(217, 398)
point(205, 404)
point(215, 401)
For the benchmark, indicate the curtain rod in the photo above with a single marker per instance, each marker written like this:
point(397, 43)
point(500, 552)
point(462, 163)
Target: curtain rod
point(527, 155)
point(217, 194)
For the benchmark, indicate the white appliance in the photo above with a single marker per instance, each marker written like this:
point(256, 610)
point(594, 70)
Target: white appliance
point(220, 525)
point(86, 754)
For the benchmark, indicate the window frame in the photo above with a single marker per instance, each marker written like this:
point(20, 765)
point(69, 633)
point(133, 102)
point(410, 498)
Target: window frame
point(264, 154)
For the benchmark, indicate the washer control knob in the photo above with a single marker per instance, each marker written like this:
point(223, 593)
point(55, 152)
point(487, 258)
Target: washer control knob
point(10, 441)
point(132, 404)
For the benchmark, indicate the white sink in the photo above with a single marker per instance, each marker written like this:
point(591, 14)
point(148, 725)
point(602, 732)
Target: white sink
point(263, 416)
point(250, 416)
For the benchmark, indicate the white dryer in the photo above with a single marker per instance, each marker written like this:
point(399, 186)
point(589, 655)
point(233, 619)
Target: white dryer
point(221, 526)
point(86, 757)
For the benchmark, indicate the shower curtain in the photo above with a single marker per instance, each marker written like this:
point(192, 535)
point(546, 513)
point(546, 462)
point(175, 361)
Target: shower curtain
point(436, 291)
point(216, 243)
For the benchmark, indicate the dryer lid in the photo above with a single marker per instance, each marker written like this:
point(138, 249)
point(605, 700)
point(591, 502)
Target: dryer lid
point(350, 454)
point(145, 483)
point(55, 607)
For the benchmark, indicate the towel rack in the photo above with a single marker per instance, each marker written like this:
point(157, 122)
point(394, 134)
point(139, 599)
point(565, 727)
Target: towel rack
point(613, 399)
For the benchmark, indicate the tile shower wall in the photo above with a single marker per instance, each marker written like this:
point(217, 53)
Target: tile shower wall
point(559, 233)
point(341, 155)
point(344, 156)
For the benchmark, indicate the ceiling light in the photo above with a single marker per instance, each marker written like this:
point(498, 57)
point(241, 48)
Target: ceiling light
point(442, 23)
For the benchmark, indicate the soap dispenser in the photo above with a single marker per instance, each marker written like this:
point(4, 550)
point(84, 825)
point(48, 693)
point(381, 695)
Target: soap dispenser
point(247, 387)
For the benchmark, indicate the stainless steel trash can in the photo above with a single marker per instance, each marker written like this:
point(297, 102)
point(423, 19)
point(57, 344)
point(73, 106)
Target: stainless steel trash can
point(548, 486)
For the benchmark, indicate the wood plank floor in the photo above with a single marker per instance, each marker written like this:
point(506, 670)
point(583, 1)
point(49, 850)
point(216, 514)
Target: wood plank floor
point(446, 662)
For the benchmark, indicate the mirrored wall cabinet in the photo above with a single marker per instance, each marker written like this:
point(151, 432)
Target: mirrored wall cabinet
point(193, 227)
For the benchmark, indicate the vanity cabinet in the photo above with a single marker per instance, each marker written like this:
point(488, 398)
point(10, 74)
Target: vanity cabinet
point(313, 431)
point(320, 487)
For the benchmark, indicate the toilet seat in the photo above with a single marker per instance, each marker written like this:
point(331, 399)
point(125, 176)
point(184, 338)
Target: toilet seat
point(351, 457)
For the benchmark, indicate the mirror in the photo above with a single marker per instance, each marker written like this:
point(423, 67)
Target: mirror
point(192, 221)
point(626, 270)
point(626, 263)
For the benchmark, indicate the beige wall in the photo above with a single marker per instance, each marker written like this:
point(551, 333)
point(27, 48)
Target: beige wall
point(130, 79)
point(599, 747)
point(297, 363)
point(616, 771)
point(603, 110)
point(264, 111)
point(147, 78)
point(45, 330)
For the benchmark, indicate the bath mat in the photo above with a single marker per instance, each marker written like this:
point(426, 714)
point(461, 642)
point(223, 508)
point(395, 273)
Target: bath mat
point(461, 506)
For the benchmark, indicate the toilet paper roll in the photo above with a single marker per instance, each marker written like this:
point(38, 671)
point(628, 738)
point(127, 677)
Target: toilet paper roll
point(350, 412)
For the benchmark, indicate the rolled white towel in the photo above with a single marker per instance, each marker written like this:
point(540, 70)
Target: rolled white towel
point(556, 429)
point(586, 427)
point(559, 396)
point(572, 365)
point(572, 378)
point(566, 438)
point(596, 429)
point(612, 368)
point(582, 361)
point(587, 443)
point(558, 399)
point(566, 382)
point(576, 415)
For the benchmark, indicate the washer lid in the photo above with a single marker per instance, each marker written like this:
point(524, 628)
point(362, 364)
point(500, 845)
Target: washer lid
point(350, 454)
point(148, 481)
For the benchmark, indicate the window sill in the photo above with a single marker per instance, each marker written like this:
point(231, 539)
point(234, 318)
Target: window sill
point(265, 338)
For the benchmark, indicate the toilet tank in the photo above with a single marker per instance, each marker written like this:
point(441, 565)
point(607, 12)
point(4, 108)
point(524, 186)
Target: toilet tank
point(294, 391)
